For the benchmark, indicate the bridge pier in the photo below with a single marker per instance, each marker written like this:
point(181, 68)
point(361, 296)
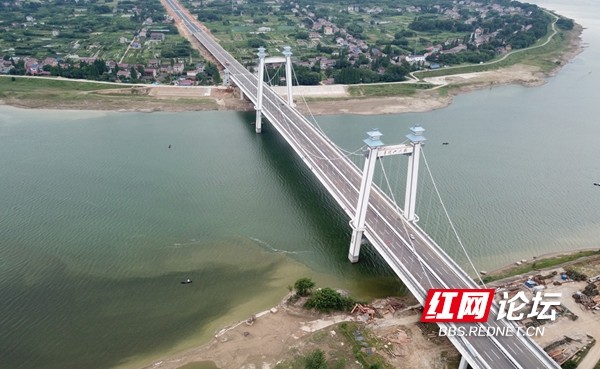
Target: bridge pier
point(416, 140)
point(226, 77)
point(358, 223)
point(287, 52)
point(261, 76)
point(463, 363)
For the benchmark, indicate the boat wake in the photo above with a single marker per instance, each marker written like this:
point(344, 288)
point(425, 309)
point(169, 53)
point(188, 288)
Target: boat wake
point(192, 242)
point(273, 249)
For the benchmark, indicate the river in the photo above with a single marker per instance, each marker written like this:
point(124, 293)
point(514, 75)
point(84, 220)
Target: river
point(100, 220)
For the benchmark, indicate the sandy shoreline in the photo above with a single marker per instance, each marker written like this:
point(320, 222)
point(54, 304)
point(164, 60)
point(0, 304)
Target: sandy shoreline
point(282, 328)
point(168, 99)
point(548, 255)
point(285, 330)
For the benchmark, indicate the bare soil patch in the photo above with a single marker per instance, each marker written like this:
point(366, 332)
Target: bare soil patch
point(288, 331)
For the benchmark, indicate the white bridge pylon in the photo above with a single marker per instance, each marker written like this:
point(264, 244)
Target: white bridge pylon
point(376, 149)
point(262, 60)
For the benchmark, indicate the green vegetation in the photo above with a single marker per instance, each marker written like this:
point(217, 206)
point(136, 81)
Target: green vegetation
point(566, 24)
point(543, 57)
point(315, 360)
point(98, 29)
point(10, 85)
point(30, 90)
point(104, 40)
point(576, 360)
point(332, 42)
point(361, 42)
point(323, 299)
point(390, 89)
point(540, 264)
point(49, 93)
point(325, 352)
point(362, 342)
point(327, 299)
point(303, 286)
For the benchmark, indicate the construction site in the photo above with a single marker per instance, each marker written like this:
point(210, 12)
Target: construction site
point(570, 338)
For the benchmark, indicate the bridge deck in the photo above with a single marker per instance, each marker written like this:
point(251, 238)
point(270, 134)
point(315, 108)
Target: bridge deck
point(421, 263)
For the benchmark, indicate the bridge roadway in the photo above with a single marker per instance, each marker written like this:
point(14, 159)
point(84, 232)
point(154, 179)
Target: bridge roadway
point(420, 263)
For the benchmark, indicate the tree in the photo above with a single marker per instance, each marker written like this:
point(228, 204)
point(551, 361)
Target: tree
point(327, 299)
point(315, 360)
point(302, 35)
point(211, 70)
point(303, 286)
point(133, 74)
point(306, 76)
point(566, 24)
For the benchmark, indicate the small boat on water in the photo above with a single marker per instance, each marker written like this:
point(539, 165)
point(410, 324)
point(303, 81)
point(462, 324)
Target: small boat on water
point(596, 184)
point(445, 143)
point(187, 281)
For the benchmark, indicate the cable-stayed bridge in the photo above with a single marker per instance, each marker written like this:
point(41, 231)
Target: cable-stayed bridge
point(413, 255)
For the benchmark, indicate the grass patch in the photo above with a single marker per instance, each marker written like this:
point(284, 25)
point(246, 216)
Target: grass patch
point(362, 340)
point(336, 348)
point(540, 264)
point(576, 360)
point(47, 93)
point(7, 84)
point(388, 89)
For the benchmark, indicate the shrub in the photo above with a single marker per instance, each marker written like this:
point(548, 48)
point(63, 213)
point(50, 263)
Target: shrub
point(327, 299)
point(303, 286)
point(315, 360)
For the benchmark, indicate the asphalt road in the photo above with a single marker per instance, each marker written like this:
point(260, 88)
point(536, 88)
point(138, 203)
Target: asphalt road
point(420, 263)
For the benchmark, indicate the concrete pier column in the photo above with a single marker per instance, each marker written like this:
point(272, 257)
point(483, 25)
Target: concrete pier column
point(416, 140)
point(463, 363)
point(358, 223)
point(261, 76)
point(288, 74)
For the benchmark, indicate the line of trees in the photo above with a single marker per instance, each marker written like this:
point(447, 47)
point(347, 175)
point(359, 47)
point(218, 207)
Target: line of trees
point(352, 74)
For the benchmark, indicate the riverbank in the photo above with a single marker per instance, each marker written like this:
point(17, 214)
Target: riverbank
point(285, 332)
point(283, 335)
point(543, 262)
point(22, 94)
point(46, 93)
